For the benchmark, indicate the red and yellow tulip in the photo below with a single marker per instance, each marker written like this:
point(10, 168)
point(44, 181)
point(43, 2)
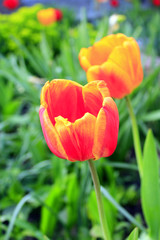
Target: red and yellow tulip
point(116, 60)
point(114, 3)
point(79, 122)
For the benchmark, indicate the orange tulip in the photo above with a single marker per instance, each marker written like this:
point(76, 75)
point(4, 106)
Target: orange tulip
point(49, 16)
point(116, 60)
point(79, 122)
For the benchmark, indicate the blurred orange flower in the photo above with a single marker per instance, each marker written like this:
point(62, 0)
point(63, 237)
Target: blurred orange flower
point(116, 60)
point(79, 122)
point(11, 4)
point(49, 16)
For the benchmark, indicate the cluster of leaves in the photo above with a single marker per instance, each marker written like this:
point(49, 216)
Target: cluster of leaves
point(148, 26)
point(24, 26)
point(43, 197)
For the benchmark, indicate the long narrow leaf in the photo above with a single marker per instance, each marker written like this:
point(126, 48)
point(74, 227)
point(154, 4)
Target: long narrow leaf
point(133, 235)
point(15, 214)
point(150, 190)
point(121, 209)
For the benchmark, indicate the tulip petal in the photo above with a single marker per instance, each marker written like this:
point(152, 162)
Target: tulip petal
point(84, 58)
point(77, 137)
point(139, 76)
point(122, 71)
point(93, 95)
point(94, 73)
point(120, 57)
point(63, 98)
point(132, 54)
point(85, 128)
point(106, 129)
point(100, 51)
point(50, 134)
point(44, 94)
point(117, 79)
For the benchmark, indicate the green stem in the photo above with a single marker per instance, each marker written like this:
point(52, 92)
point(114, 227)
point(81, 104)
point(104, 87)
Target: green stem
point(104, 224)
point(136, 138)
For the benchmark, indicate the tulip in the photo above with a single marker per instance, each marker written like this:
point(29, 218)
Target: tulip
point(49, 16)
point(59, 14)
point(11, 4)
point(114, 3)
point(156, 3)
point(79, 122)
point(116, 60)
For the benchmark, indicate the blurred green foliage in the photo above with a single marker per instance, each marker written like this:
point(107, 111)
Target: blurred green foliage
point(24, 26)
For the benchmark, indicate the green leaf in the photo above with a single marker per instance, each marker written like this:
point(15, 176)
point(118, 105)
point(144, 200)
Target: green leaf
point(150, 190)
point(152, 116)
point(96, 231)
point(72, 193)
point(122, 210)
point(93, 214)
point(83, 31)
point(133, 235)
point(18, 208)
point(49, 214)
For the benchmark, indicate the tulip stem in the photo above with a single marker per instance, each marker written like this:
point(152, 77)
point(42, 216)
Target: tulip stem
point(136, 138)
point(103, 220)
